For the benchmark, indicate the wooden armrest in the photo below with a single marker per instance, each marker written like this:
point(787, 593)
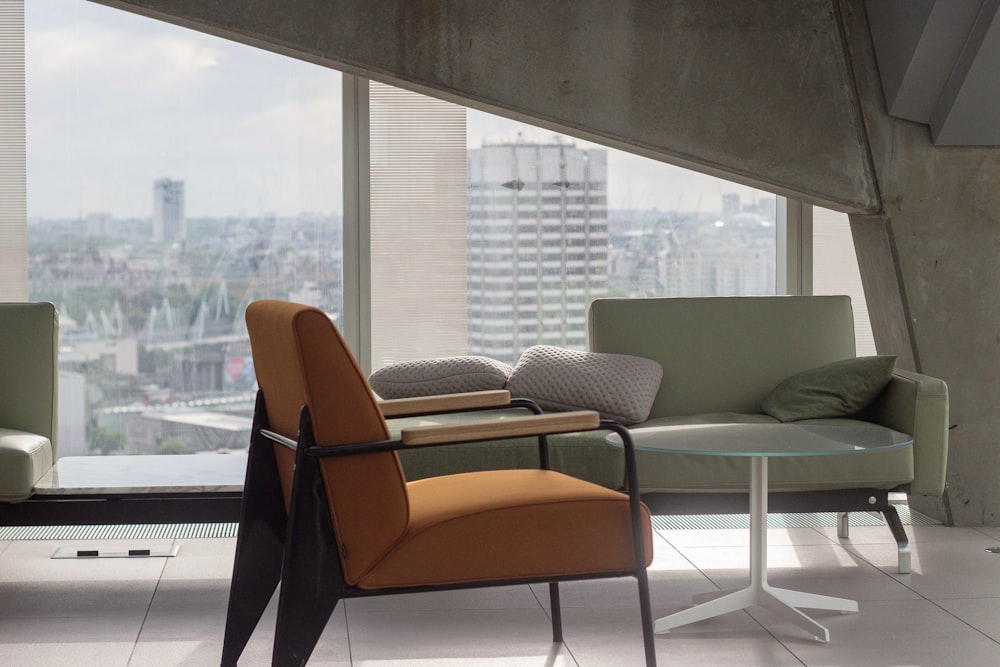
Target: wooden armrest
point(445, 403)
point(496, 429)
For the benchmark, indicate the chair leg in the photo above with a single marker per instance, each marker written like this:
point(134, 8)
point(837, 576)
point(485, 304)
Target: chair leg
point(259, 544)
point(556, 608)
point(641, 575)
point(646, 611)
point(843, 525)
point(315, 585)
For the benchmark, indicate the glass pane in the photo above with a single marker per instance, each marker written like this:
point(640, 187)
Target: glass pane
point(835, 271)
point(556, 222)
point(173, 178)
point(510, 251)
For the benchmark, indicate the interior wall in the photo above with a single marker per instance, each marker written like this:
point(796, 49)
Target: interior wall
point(759, 92)
point(930, 258)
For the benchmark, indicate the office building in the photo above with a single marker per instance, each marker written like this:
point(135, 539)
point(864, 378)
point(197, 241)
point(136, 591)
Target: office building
point(169, 225)
point(538, 245)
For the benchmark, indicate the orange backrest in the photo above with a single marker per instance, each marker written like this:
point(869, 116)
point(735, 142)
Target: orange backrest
point(301, 359)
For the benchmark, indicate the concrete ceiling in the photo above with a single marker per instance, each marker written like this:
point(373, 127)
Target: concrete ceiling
point(760, 93)
point(939, 61)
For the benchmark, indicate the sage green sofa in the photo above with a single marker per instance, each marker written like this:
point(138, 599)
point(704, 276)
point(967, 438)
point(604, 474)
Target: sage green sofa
point(721, 356)
point(29, 374)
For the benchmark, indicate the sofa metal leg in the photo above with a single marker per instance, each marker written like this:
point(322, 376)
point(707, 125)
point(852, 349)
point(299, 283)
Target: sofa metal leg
point(843, 525)
point(902, 541)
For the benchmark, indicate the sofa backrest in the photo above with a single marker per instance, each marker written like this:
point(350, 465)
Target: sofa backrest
point(29, 368)
point(723, 354)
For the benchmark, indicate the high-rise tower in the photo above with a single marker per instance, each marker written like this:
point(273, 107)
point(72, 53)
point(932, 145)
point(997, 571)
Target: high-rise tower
point(168, 211)
point(538, 245)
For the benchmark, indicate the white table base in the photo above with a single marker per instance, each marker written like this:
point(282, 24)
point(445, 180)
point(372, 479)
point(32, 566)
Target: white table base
point(781, 601)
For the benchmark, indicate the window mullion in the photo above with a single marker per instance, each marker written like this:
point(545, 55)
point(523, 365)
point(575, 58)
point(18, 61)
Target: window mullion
point(357, 219)
point(794, 247)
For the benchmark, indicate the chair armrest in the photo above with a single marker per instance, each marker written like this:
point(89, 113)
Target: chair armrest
point(417, 405)
point(495, 429)
point(917, 404)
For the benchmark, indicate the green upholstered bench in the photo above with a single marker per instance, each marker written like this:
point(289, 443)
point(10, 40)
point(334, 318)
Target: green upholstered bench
point(29, 347)
point(36, 489)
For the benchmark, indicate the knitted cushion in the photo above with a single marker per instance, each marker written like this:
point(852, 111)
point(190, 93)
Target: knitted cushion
point(618, 386)
point(444, 375)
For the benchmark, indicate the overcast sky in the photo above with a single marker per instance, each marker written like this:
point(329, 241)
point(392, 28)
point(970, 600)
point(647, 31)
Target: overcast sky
point(116, 101)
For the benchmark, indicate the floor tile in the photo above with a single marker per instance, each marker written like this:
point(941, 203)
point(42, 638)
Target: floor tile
point(202, 559)
point(464, 637)
point(981, 613)
point(740, 537)
point(993, 532)
point(83, 639)
point(945, 570)
point(910, 632)
point(605, 637)
point(172, 636)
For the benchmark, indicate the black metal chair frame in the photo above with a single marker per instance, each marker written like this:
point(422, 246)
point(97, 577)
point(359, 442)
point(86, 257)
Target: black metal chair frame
point(268, 543)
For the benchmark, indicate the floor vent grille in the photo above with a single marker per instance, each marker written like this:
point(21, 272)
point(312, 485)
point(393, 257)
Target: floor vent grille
point(170, 531)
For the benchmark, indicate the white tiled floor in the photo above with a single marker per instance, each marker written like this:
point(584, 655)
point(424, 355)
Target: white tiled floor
point(171, 611)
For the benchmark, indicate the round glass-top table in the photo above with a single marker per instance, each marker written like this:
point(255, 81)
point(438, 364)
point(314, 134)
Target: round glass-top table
point(760, 442)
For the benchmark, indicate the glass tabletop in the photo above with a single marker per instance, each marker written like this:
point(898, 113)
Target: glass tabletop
point(766, 439)
point(183, 473)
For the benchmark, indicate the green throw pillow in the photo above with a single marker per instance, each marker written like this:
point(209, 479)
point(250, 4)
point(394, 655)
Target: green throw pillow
point(839, 389)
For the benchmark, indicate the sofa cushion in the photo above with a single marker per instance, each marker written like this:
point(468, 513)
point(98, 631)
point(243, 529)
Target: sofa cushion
point(444, 375)
point(618, 386)
point(838, 389)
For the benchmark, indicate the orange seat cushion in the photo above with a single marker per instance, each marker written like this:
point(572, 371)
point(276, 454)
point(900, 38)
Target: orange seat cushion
point(509, 524)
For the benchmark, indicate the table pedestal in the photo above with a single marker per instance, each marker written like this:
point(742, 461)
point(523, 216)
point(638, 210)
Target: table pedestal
point(781, 601)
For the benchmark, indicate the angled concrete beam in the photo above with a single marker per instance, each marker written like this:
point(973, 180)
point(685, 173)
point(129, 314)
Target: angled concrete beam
point(756, 92)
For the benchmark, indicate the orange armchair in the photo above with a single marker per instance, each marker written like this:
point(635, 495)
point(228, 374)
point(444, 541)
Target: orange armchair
point(328, 513)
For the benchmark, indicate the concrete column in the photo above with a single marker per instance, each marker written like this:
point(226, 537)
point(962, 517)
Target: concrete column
point(930, 263)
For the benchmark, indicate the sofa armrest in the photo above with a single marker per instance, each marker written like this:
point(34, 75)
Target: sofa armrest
point(917, 404)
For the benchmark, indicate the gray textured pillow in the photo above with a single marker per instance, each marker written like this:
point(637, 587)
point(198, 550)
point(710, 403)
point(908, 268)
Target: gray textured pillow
point(839, 389)
point(445, 375)
point(618, 386)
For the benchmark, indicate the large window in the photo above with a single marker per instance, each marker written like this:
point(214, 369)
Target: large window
point(556, 222)
point(169, 188)
point(542, 225)
point(174, 177)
